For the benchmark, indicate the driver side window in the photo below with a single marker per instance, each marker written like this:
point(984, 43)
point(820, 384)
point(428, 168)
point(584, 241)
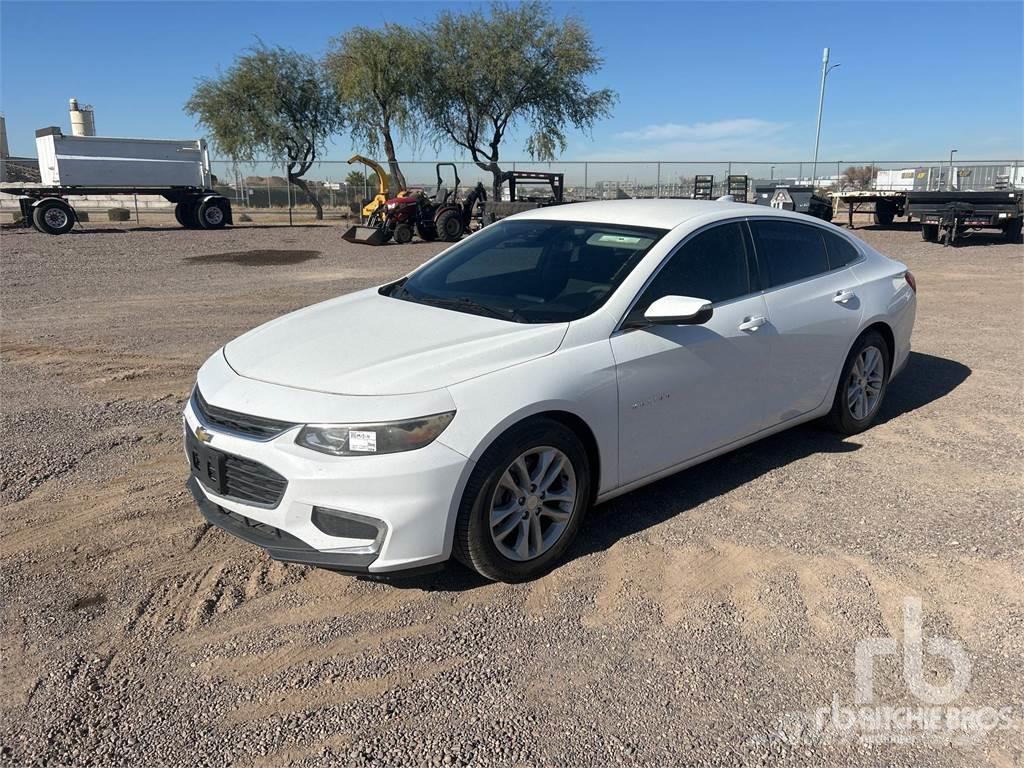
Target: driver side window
point(712, 265)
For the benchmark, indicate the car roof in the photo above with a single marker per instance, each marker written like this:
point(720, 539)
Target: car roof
point(659, 213)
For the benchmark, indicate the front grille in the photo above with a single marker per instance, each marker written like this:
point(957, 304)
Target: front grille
point(233, 421)
point(252, 482)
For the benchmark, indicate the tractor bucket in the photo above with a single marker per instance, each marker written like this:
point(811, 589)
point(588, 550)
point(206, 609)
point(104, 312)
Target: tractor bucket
point(365, 235)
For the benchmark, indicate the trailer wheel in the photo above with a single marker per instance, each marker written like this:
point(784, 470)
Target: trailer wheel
point(185, 214)
point(402, 233)
point(212, 214)
point(54, 217)
point(1011, 231)
point(930, 232)
point(885, 211)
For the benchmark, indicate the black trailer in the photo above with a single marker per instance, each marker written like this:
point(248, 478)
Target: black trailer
point(526, 190)
point(951, 216)
point(47, 208)
point(801, 199)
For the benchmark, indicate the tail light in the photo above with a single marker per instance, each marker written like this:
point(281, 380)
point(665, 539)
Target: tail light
point(911, 280)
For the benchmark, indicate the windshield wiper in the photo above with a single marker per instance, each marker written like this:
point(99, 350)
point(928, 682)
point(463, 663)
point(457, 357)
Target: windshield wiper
point(474, 306)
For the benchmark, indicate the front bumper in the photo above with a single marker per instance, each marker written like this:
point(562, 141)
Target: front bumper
point(414, 494)
point(279, 544)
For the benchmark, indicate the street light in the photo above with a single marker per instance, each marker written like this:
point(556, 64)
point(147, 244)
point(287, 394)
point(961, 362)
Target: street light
point(825, 69)
point(949, 181)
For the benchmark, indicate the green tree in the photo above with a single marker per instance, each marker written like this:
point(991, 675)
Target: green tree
point(376, 74)
point(487, 73)
point(271, 102)
point(358, 180)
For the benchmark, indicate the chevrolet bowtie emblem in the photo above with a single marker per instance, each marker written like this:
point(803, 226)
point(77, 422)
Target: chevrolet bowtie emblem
point(202, 435)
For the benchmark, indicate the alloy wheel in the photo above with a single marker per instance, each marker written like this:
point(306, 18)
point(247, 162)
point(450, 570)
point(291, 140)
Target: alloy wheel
point(864, 385)
point(533, 503)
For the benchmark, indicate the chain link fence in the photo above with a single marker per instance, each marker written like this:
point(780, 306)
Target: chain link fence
point(342, 188)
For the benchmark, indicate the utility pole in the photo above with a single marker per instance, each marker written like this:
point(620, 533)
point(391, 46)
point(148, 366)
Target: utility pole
point(825, 69)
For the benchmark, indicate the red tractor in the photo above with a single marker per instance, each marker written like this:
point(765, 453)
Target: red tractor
point(440, 217)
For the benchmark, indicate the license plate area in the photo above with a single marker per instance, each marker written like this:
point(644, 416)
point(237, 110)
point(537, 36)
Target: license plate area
point(207, 464)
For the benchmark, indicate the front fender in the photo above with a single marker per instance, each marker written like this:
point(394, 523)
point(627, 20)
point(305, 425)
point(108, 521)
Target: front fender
point(578, 381)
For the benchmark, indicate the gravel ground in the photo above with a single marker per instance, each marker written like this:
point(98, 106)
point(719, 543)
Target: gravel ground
point(697, 621)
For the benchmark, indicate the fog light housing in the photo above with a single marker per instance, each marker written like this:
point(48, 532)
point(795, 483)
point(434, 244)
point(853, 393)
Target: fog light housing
point(349, 525)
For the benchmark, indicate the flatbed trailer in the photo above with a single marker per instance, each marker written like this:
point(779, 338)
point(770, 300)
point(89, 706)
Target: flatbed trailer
point(951, 216)
point(885, 204)
point(523, 194)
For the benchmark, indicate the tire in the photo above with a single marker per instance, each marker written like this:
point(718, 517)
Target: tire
point(212, 213)
point(54, 217)
point(1011, 232)
point(850, 414)
point(478, 548)
point(449, 225)
point(884, 213)
point(402, 233)
point(185, 215)
point(427, 232)
point(930, 232)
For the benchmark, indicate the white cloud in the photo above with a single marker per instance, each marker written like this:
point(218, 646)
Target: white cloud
point(743, 127)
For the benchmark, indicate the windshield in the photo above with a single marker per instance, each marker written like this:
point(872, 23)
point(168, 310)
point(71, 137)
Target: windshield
point(531, 271)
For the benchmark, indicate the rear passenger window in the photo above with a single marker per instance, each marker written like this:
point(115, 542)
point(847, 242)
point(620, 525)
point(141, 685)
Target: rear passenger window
point(788, 251)
point(840, 250)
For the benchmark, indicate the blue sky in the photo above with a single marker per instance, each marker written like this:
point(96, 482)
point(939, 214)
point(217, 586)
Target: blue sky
point(696, 81)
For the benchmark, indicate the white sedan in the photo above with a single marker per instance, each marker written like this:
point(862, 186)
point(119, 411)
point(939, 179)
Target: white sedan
point(480, 405)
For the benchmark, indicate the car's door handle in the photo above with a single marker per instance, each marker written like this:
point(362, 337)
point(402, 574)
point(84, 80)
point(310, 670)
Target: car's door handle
point(753, 323)
point(844, 297)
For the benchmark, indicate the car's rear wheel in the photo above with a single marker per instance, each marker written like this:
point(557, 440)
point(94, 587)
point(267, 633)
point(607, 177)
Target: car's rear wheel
point(862, 385)
point(524, 502)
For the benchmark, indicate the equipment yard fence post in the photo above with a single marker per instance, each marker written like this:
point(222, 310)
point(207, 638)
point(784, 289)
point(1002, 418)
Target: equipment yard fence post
point(288, 192)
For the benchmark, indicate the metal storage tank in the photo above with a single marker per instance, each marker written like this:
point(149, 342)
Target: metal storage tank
point(83, 119)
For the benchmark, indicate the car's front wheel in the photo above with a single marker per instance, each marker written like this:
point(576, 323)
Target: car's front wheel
point(862, 384)
point(524, 502)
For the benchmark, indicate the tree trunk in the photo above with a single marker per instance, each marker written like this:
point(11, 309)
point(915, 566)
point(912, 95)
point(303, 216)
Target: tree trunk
point(495, 170)
point(397, 177)
point(300, 182)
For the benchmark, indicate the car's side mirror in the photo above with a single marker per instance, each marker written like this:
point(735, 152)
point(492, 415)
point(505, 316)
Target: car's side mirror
point(679, 310)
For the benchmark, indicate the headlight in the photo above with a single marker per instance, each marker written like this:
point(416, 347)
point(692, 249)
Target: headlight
point(363, 439)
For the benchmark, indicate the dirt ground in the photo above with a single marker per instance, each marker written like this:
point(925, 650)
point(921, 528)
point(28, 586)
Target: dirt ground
point(707, 619)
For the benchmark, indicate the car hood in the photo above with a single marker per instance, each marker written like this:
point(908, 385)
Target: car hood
point(368, 344)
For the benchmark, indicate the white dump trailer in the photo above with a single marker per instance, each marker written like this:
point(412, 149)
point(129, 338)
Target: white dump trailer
point(179, 171)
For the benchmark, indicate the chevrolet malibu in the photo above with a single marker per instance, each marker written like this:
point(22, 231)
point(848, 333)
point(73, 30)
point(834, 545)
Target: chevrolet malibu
point(479, 406)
